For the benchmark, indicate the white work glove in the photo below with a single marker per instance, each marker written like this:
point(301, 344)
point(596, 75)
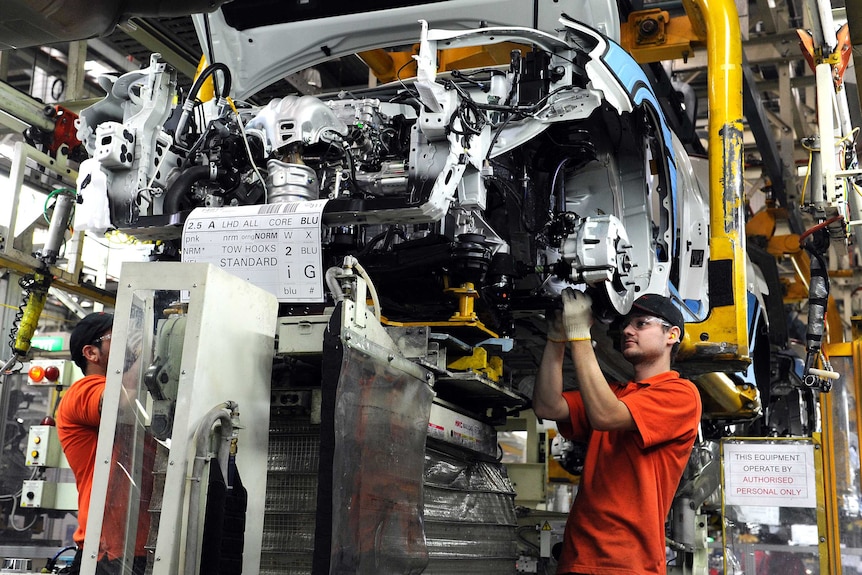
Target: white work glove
point(577, 315)
point(134, 348)
point(134, 343)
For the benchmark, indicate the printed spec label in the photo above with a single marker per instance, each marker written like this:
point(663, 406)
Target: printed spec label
point(275, 246)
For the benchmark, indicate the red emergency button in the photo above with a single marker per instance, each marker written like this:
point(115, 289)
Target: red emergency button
point(36, 373)
point(52, 373)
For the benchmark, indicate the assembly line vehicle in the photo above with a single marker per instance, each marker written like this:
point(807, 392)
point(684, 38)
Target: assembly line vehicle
point(402, 245)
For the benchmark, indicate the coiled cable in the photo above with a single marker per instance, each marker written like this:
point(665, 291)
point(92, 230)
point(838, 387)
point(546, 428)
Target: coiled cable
point(24, 324)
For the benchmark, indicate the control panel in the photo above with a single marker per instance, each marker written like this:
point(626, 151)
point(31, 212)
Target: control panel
point(35, 493)
point(43, 447)
point(51, 372)
point(47, 495)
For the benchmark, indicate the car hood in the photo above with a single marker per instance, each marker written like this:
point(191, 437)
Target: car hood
point(264, 41)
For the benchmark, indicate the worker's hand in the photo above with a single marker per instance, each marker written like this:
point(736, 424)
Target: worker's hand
point(134, 342)
point(556, 331)
point(134, 348)
point(577, 315)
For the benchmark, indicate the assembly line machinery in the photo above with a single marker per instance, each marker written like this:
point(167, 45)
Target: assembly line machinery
point(346, 304)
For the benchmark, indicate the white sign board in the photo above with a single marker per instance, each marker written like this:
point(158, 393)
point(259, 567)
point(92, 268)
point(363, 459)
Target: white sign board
point(779, 474)
point(275, 246)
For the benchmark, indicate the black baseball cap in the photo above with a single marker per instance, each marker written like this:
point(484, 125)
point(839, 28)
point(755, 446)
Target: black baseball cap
point(88, 330)
point(660, 306)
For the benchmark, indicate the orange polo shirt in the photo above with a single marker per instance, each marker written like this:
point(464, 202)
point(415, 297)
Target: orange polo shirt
point(77, 420)
point(616, 524)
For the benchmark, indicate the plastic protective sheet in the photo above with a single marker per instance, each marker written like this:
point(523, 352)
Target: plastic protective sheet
point(468, 491)
point(136, 477)
point(470, 520)
point(381, 420)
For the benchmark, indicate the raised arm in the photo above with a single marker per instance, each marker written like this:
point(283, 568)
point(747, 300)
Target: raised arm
point(548, 402)
point(604, 411)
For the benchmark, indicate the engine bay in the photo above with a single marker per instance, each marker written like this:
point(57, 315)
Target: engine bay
point(516, 180)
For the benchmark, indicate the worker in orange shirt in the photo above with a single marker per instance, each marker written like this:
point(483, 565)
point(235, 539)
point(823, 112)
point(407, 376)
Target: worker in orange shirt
point(78, 417)
point(639, 434)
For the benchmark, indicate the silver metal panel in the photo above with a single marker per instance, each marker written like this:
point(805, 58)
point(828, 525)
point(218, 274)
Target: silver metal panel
point(227, 355)
point(302, 335)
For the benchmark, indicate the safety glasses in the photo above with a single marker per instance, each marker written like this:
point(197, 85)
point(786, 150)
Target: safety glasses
point(642, 322)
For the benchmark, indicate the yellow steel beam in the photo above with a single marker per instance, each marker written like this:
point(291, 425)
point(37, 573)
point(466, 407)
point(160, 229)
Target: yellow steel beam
point(833, 344)
point(856, 343)
point(696, 19)
point(724, 398)
point(724, 334)
point(388, 66)
point(831, 508)
point(821, 441)
point(450, 324)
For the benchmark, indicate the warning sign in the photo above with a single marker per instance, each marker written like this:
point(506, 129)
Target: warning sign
point(275, 246)
point(780, 474)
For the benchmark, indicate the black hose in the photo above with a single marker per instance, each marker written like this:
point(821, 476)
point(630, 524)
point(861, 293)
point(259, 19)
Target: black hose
point(818, 301)
point(52, 562)
point(210, 71)
point(180, 187)
point(193, 94)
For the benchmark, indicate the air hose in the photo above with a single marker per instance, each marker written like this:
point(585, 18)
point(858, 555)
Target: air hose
point(35, 288)
point(818, 300)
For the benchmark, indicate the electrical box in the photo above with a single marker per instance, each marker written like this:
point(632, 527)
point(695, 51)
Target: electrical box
point(301, 335)
point(51, 372)
point(43, 447)
point(529, 481)
point(48, 495)
point(36, 493)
